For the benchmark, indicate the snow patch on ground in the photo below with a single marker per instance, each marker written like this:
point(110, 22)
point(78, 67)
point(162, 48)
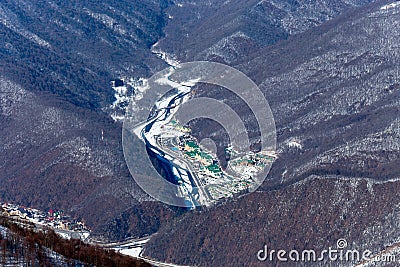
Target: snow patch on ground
point(10, 20)
point(226, 48)
point(295, 144)
point(131, 248)
point(133, 252)
point(11, 97)
point(3, 231)
point(390, 6)
point(108, 21)
point(370, 182)
point(133, 89)
point(140, 86)
point(169, 59)
point(78, 151)
point(134, 248)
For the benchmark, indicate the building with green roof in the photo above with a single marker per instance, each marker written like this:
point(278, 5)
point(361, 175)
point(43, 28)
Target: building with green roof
point(191, 146)
point(213, 170)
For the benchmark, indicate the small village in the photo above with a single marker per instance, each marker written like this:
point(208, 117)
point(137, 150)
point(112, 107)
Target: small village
point(61, 223)
point(177, 139)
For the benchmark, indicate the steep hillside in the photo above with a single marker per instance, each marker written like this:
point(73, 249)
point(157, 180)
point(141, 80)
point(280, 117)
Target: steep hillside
point(59, 156)
point(337, 96)
point(25, 245)
point(312, 214)
point(227, 31)
point(59, 147)
point(74, 49)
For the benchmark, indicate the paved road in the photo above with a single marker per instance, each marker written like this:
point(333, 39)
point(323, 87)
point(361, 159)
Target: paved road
point(161, 264)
